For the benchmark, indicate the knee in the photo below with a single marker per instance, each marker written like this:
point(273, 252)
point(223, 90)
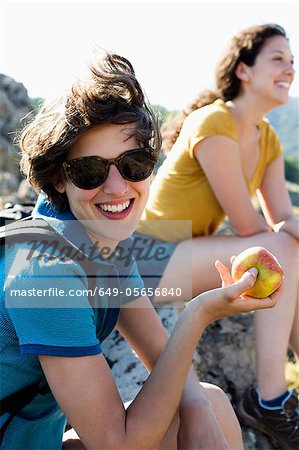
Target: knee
point(219, 400)
point(215, 394)
point(283, 246)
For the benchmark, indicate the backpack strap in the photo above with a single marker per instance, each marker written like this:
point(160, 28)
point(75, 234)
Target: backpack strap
point(25, 229)
point(13, 212)
point(15, 402)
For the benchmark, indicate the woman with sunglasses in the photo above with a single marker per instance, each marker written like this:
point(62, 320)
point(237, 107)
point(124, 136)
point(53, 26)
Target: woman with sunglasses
point(221, 152)
point(91, 157)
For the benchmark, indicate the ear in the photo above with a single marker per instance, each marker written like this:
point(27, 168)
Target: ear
point(60, 187)
point(242, 72)
point(59, 183)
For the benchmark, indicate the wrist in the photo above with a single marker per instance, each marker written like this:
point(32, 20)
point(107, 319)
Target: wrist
point(199, 312)
point(290, 226)
point(209, 306)
point(279, 226)
point(284, 223)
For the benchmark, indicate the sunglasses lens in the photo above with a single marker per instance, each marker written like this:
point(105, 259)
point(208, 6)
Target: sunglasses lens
point(87, 173)
point(137, 165)
point(90, 172)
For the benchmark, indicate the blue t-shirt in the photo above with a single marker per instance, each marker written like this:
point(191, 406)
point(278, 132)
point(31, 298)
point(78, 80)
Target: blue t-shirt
point(45, 308)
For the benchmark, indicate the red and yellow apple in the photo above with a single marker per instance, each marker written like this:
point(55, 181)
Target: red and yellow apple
point(270, 272)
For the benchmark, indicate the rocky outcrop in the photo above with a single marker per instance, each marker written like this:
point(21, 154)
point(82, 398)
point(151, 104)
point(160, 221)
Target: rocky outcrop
point(15, 106)
point(224, 356)
point(15, 111)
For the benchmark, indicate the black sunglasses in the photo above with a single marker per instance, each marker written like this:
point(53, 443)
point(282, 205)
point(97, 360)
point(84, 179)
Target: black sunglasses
point(89, 172)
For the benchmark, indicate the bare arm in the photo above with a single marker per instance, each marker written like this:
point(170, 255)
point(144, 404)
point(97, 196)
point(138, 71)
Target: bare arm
point(87, 394)
point(220, 160)
point(275, 200)
point(148, 342)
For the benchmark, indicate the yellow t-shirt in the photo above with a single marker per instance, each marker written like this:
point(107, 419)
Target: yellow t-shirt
point(181, 191)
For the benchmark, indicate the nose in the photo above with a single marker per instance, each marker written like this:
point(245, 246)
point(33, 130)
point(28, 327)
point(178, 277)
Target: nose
point(289, 69)
point(115, 184)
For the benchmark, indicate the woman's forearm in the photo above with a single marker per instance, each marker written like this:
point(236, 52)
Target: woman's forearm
point(258, 225)
point(290, 226)
point(160, 396)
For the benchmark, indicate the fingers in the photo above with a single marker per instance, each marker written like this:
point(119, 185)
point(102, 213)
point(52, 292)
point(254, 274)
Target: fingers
point(254, 272)
point(243, 284)
point(224, 274)
point(275, 296)
point(263, 303)
point(249, 303)
point(248, 279)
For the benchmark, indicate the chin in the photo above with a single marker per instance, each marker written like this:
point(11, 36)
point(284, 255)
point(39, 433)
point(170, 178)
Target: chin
point(117, 233)
point(279, 102)
point(282, 99)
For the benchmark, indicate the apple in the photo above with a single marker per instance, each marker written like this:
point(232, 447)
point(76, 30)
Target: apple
point(270, 272)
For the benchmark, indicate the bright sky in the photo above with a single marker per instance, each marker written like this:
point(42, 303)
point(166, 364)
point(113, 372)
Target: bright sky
point(173, 46)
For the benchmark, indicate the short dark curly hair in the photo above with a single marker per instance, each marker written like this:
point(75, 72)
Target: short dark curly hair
point(110, 94)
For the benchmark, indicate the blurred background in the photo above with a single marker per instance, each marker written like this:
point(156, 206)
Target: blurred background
point(173, 46)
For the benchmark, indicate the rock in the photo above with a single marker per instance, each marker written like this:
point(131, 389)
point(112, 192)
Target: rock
point(15, 111)
point(129, 373)
point(26, 193)
point(13, 192)
point(224, 356)
point(8, 183)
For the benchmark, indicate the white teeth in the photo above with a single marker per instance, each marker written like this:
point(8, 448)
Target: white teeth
point(115, 208)
point(283, 84)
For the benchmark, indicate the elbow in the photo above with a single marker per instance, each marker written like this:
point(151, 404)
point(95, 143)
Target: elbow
point(245, 233)
point(251, 231)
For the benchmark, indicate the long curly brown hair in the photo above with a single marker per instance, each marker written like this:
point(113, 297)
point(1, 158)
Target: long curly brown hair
point(110, 94)
point(243, 47)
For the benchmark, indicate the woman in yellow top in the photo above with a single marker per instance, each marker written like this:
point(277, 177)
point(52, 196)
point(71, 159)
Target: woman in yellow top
point(221, 153)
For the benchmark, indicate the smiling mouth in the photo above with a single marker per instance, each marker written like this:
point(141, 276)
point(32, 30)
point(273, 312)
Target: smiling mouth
point(116, 211)
point(115, 208)
point(283, 84)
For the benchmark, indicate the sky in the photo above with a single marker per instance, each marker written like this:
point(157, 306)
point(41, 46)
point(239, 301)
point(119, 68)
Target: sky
point(174, 46)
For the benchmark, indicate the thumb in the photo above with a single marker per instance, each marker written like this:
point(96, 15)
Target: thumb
point(246, 281)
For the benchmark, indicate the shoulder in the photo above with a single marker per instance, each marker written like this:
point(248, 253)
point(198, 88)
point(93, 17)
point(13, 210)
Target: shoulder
point(271, 145)
point(36, 258)
point(212, 119)
point(269, 136)
point(268, 130)
point(30, 274)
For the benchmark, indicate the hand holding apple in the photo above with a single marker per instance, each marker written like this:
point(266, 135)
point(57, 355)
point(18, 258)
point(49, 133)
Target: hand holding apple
point(270, 272)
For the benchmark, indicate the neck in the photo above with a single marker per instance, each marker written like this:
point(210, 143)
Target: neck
point(248, 112)
point(104, 246)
